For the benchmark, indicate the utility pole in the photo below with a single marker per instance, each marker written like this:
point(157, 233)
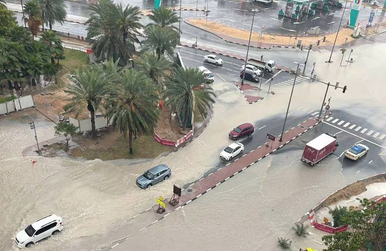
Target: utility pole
point(343, 50)
point(179, 24)
point(308, 53)
point(336, 37)
point(349, 55)
point(289, 102)
point(324, 100)
point(249, 43)
point(32, 125)
point(270, 83)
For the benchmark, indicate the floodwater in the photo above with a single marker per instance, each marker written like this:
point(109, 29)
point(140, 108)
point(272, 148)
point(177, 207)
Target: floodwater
point(247, 212)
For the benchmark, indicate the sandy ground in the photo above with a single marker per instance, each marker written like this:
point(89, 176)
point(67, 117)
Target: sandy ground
point(96, 197)
point(221, 29)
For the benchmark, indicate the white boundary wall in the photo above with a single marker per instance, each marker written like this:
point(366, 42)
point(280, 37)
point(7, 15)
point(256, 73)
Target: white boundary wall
point(17, 104)
point(85, 124)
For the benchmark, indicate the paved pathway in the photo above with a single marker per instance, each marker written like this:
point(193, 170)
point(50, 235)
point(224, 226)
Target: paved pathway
point(211, 181)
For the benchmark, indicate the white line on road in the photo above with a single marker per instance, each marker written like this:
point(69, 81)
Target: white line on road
point(314, 113)
point(288, 29)
point(383, 136)
point(331, 22)
point(352, 126)
point(345, 125)
point(370, 161)
point(341, 122)
point(330, 118)
point(359, 141)
point(262, 127)
point(341, 155)
point(370, 132)
point(335, 120)
point(376, 134)
point(354, 135)
point(222, 78)
point(358, 128)
point(315, 18)
point(338, 133)
point(114, 245)
point(364, 130)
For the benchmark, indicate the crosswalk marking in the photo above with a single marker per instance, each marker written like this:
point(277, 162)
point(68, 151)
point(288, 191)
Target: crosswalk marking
point(383, 136)
point(376, 134)
point(314, 113)
point(364, 130)
point(335, 121)
point(330, 118)
point(291, 81)
point(352, 126)
point(345, 125)
point(358, 128)
point(341, 122)
point(370, 132)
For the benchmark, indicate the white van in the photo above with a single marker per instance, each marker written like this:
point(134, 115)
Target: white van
point(39, 230)
point(208, 75)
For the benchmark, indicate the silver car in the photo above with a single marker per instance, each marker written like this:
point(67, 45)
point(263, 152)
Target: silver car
point(153, 176)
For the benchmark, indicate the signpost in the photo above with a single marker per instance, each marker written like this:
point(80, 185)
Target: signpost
point(272, 138)
point(161, 205)
point(175, 199)
point(356, 6)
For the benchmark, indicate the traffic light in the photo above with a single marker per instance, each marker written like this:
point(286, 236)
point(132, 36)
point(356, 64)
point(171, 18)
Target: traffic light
point(336, 85)
point(344, 88)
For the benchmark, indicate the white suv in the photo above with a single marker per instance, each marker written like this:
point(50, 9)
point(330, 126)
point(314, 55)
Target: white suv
point(252, 70)
point(39, 230)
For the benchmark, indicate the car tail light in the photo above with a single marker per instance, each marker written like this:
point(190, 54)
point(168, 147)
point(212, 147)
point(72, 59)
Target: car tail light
point(61, 223)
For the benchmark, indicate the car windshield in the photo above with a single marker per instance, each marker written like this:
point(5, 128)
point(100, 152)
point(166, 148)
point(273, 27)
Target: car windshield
point(237, 129)
point(228, 150)
point(30, 231)
point(209, 75)
point(148, 175)
point(355, 150)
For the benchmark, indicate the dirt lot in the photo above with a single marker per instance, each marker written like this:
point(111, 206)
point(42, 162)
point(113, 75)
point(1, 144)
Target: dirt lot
point(220, 29)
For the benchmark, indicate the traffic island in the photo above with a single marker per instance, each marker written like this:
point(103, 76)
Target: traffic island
point(246, 90)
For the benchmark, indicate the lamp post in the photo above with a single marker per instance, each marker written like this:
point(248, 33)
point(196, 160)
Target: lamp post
point(249, 43)
point(32, 125)
point(179, 23)
point(324, 100)
point(206, 12)
point(308, 53)
point(289, 102)
point(349, 55)
point(336, 37)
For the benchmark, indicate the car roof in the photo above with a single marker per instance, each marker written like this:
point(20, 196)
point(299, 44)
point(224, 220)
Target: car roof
point(158, 168)
point(39, 223)
point(245, 125)
point(357, 148)
point(234, 145)
point(211, 55)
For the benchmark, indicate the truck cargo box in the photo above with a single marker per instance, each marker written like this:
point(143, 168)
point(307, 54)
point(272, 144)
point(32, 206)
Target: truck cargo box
point(319, 148)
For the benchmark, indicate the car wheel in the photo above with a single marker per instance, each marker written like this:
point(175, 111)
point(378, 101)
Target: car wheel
point(148, 186)
point(206, 61)
point(237, 138)
point(249, 134)
point(29, 244)
point(241, 152)
point(166, 177)
point(217, 64)
point(56, 232)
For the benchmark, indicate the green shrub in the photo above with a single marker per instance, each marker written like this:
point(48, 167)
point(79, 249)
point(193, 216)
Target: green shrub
point(338, 213)
point(284, 244)
point(6, 99)
point(300, 230)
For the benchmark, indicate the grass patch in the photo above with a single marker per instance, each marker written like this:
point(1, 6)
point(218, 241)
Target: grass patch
point(6, 99)
point(143, 147)
point(74, 59)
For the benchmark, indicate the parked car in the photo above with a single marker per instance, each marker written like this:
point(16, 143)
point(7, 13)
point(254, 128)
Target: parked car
point(251, 69)
point(319, 148)
point(213, 59)
point(208, 75)
point(356, 152)
point(39, 230)
point(250, 77)
point(242, 130)
point(232, 151)
point(154, 176)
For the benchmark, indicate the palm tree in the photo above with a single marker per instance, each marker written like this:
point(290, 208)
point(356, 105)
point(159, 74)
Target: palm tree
point(160, 40)
point(164, 17)
point(34, 19)
point(89, 90)
point(55, 45)
point(184, 93)
point(113, 30)
point(53, 11)
point(2, 2)
point(154, 67)
point(133, 106)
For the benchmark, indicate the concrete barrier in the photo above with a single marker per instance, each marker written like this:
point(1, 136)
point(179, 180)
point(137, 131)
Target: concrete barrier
point(162, 141)
point(330, 229)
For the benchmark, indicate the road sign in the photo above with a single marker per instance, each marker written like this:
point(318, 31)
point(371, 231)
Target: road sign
point(271, 137)
point(372, 14)
point(160, 202)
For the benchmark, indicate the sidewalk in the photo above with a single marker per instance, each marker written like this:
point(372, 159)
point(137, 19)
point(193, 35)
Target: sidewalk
point(211, 181)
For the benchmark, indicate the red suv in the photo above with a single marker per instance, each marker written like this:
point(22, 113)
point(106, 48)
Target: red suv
point(241, 131)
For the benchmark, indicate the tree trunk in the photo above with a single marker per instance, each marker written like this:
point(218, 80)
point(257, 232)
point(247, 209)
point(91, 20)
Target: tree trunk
point(131, 141)
point(186, 114)
point(50, 26)
point(52, 60)
point(67, 145)
point(93, 130)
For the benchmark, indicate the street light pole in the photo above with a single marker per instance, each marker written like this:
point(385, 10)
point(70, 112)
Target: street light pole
point(179, 24)
point(32, 125)
point(249, 43)
point(308, 53)
point(336, 37)
point(289, 103)
point(349, 55)
point(324, 100)
point(270, 82)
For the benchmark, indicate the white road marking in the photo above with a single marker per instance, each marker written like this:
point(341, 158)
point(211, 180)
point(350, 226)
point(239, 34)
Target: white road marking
point(364, 130)
point(222, 78)
point(359, 141)
point(354, 135)
point(370, 161)
point(115, 245)
point(352, 126)
point(338, 133)
point(262, 127)
point(376, 134)
point(345, 125)
point(335, 120)
point(314, 113)
point(358, 128)
point(383, 136)
point(331, 22)
point(330, 118)
point(315, 18)
point(341, 154)
point(341, 122)
point(370, 132)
